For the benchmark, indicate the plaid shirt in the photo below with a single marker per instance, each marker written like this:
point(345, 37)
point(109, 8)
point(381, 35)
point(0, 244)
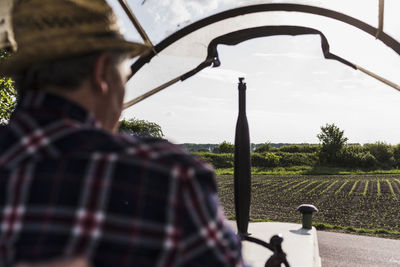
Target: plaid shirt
point(69, 188)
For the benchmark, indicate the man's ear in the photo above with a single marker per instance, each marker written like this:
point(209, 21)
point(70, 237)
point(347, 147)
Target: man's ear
point(99, 75)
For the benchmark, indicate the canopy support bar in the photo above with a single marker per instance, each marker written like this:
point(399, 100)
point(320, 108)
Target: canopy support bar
point(379, 78)
point(151, 92)
point(237, 37)
point(381, 18)
point(136, 23)
point(384, 37)
point(204, 64)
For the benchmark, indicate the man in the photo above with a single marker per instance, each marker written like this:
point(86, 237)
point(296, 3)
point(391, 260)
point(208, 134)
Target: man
point(71, 187)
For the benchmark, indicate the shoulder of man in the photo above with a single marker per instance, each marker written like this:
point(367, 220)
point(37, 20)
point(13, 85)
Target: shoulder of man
point(149, 151)
point(160, 150)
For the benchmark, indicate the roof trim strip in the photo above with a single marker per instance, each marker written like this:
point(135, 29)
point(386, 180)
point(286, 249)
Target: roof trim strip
point(384, 37)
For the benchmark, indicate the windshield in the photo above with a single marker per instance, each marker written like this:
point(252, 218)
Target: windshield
point(289, 72)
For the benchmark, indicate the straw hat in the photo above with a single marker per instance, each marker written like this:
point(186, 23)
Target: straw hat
point(6, 35)
point(47, 30)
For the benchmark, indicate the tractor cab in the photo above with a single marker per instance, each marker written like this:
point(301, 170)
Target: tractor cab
point(198, 39)
point(194, 39)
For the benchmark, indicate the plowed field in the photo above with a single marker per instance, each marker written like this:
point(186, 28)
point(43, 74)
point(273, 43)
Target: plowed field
point(369, 201)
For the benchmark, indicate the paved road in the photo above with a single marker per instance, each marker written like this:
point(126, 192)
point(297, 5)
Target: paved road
point(337, 249)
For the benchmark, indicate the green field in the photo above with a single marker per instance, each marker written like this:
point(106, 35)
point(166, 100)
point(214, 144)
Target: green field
point(359, 201)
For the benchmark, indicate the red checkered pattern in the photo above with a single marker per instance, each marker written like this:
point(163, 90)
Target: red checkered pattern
point(143, 151)
point(88, 224)
point(11, 223)
point(68, 188)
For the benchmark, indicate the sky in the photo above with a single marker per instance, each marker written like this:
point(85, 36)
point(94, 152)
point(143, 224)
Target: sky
point(291, 89)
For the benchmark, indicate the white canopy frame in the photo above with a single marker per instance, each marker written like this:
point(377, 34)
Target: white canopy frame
point(211, 59)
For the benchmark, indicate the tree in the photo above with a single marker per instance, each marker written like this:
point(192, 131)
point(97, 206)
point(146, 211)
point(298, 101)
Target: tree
point(225, 147)
point(8, 95)
point(141, 128)
point(384, 153)
point(263, 148)
point(332, 140)
point(396, 155)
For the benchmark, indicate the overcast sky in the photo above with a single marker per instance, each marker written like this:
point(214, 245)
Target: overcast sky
point(292, 91)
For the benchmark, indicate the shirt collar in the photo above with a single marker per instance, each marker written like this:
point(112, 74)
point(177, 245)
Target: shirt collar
point(57, 105)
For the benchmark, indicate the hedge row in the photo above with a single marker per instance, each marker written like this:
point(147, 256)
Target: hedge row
point(368, 156)
point(217, 160)
point(300, 148)
point(267, 160)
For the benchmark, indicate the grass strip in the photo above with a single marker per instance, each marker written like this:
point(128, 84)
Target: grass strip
point(318, 186)
point(365, 188)
point(308, 170)
point(397, 187)
point(270, 182)
point(307, 186)
point(353, 187)
point(341, 187)
point(351, 229)
point(326, 226)
point(233, 218)
point(326, 189)
point(295, 186)
point(391, 189)
point(285, 184)
point(378, 186)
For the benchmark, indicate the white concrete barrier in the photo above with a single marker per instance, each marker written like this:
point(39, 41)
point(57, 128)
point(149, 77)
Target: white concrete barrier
point(300, 245)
